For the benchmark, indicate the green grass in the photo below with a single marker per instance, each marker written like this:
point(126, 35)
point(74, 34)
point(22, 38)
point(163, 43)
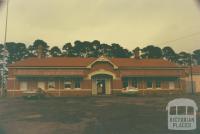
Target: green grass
point(89, 115)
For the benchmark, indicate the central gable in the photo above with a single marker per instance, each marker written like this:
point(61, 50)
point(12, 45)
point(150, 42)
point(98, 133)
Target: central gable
point(102, 59)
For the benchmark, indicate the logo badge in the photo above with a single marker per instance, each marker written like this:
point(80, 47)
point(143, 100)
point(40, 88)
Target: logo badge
point(182, 114)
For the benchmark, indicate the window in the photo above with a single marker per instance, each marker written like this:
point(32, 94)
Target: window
point(41, 85)
point(135, 83)
point(67, 84)
point(51, 85)
point(158, 84)
point(23, 85)
point(173, 110)
point(149, 84)
point(77, 84)
point(125, 83)
point(171, 85)
point(190, 110)
point(181, 110)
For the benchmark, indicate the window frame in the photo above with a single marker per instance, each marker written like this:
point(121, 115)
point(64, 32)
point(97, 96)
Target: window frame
point(157, 83)
point(132, 83)
point(54, 83)
point(76, 83)
point(173, 110)
point(181, 110)
point(123, 83)
point(26, 84)
point(70, 84)
point(189, 112)
point(151, 84)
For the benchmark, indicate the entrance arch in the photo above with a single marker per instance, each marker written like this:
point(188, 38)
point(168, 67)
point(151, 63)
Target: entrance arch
point(101, 84)
point(101, 72)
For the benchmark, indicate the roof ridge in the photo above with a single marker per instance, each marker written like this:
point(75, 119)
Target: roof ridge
point(83, 62)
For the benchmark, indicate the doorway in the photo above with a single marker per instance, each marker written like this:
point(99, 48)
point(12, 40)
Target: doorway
point(101, 86)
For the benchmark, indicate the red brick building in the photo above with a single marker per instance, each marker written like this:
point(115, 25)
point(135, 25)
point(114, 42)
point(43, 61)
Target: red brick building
point(61, 76)
point(195, 85)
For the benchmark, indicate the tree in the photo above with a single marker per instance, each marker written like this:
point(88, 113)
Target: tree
point(184, 58)
point(89, 49)
point(83, 49)
point(35, 46)
point(55, 51)
point(1, 50)
point(127, 53)
point(106, 50)
point(119, 52)
point(17, 51)
point(31, 51)
point(136, 52)
point(169, 54)
point(97, 49)
point(196, 56)
point(151, 52)
point(79, 48)
point(68, 50)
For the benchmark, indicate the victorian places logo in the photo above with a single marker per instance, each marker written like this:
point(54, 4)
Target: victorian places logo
point(182, 114)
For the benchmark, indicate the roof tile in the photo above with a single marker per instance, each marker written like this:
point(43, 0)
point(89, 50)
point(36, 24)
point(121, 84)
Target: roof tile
point(83, 62)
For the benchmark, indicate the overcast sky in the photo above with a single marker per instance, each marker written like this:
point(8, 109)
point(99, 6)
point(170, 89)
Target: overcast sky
point(130, 23)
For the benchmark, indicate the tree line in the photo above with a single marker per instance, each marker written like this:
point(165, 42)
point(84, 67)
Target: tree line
point(19, 51)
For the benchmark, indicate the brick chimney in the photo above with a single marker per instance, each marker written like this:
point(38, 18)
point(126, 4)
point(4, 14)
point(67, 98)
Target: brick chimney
point(40, 52)
point(136, 53)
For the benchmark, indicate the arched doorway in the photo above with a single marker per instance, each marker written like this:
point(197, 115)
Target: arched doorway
point(101, 84)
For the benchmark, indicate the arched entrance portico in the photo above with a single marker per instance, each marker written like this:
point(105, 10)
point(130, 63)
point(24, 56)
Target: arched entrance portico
point(101, 84)
point(101, 81)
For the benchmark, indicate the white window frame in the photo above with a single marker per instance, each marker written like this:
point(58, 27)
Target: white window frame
point(54, 85)
point(70, 82)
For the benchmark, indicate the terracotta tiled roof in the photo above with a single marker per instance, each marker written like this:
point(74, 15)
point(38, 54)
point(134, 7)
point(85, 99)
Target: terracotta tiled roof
point(53, 62)
point(50, 72)
point(157, 72)
point(83, 62)
point(128, 62)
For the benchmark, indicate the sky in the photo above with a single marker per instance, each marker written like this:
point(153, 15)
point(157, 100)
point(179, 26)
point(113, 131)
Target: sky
point(130, 23)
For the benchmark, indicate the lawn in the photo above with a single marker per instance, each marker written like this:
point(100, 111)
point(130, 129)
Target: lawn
point(89, 115)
